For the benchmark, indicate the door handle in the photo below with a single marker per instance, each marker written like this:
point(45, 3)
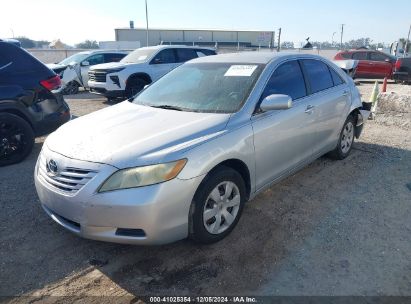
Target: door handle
point(309, 109)
point(345, 93)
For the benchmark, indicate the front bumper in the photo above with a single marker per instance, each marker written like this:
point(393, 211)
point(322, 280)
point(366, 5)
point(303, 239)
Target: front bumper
point(151, 215)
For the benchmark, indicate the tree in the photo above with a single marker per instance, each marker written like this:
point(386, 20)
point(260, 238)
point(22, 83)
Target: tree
point(88, 44)
point(287, 45)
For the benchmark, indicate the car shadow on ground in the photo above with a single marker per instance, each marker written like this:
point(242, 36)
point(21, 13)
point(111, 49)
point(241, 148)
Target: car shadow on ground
point(310, 213)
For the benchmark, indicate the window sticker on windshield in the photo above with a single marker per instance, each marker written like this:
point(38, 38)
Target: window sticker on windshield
point(241, 70)
point(144, 57)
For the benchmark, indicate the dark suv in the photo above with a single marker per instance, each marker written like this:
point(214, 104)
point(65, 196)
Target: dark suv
point(30, 102)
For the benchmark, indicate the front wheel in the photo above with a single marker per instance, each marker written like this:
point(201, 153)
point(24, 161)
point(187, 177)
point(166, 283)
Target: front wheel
point(16, 139)
point(345, 141)
point(217, 206)
point(134, 86)
point(72, 88)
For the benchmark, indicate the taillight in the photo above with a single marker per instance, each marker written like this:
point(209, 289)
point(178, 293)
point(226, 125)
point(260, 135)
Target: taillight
point(52, 83)
point(398, 65)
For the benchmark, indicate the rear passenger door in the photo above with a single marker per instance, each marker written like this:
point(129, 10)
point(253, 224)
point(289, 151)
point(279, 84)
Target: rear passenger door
point(162, 63)
point(283, 139)
point(330, 100)
point(381, 65)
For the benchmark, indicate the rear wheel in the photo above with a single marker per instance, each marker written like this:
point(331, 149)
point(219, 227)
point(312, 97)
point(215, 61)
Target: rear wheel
point(16, 139)
point(346, 140)
point(134, 86)
point(217, 206)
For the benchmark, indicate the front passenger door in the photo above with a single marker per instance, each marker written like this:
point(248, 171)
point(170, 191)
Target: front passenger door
point(163, 63)
point(283, 139)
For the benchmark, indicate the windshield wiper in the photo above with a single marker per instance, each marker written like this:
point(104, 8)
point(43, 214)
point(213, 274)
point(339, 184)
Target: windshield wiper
point(168, 107)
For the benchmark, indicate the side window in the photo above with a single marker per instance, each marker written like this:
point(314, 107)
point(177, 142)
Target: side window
point(164, 57)
point(113, 57)
point(184, 55)
point(319, 76)
point(206, 52)
point(21, 60)
point(377, 57)
point(287, 79)
point(360, 56)
point(95, 59)
point(346, 55)
point(336, 78)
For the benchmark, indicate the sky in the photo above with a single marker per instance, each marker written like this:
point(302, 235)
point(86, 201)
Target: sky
point(74, 21)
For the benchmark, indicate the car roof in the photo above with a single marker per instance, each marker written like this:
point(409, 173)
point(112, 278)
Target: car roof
point(173, 46)
point(253, 57)
point(102, 51)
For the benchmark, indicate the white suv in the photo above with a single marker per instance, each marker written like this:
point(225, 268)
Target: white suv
point(140, 68)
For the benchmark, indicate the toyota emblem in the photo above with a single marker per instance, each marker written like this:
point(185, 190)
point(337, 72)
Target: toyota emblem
point(52, 167)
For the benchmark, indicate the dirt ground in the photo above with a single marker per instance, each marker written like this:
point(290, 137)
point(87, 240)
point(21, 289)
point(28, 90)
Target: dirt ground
point(334, 228)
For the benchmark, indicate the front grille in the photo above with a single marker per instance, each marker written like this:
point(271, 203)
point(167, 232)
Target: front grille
point(67, 179)
point(97, 76)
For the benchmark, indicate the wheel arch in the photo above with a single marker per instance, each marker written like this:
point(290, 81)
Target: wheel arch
point(142, 75)
point(239, 166)
point(17, 113)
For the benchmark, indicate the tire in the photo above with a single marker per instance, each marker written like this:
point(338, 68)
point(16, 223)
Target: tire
point(203, 224)
point(72, 88)
point(345, 141)
point(16, 139)
point(134, 86)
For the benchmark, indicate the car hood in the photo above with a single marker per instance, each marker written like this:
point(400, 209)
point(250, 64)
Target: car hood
point(56, 66)
point(129, 135)
point(110, 65)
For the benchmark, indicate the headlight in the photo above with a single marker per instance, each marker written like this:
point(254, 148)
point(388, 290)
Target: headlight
point(143, 176)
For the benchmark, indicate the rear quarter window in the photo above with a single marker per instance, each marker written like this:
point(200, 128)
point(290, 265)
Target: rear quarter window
point(21, 60)
point(319, 76)
point(360, 56)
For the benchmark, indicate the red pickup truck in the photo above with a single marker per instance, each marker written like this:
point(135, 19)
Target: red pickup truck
point(372, 64)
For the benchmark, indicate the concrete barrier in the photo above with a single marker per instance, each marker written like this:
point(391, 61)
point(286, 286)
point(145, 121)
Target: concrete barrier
point(53, 56)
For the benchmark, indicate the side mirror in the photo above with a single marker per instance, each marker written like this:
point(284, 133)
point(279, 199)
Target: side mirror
point(276, 102)
point(85, 63)
point(158, 61)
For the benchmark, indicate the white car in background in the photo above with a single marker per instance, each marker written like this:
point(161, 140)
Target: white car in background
point(140, 68)
point(73, 70)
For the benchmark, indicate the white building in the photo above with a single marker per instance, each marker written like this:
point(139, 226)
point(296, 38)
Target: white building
point(197, 36)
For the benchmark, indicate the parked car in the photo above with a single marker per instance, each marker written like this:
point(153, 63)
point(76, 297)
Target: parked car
point(185, 155)
point(402, 70)
point(30, 104)
point(372, 64)
point(140, 68)
point(74, 69)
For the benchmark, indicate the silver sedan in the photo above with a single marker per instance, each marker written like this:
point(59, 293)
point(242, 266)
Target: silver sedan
point(189, 151)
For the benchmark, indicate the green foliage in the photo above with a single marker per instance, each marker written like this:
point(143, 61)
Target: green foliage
point(28, 43)
point(88, 44)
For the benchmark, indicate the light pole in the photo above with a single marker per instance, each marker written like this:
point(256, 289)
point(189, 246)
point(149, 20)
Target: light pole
point(146, 24)
point(342, 34)
point(12, 32)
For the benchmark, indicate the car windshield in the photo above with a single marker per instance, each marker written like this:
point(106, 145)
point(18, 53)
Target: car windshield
point(203, 87)
point(139, 55)
point(76, 58)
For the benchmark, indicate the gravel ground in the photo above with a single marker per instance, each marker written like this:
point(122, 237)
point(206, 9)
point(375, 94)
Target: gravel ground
point(334, 228)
